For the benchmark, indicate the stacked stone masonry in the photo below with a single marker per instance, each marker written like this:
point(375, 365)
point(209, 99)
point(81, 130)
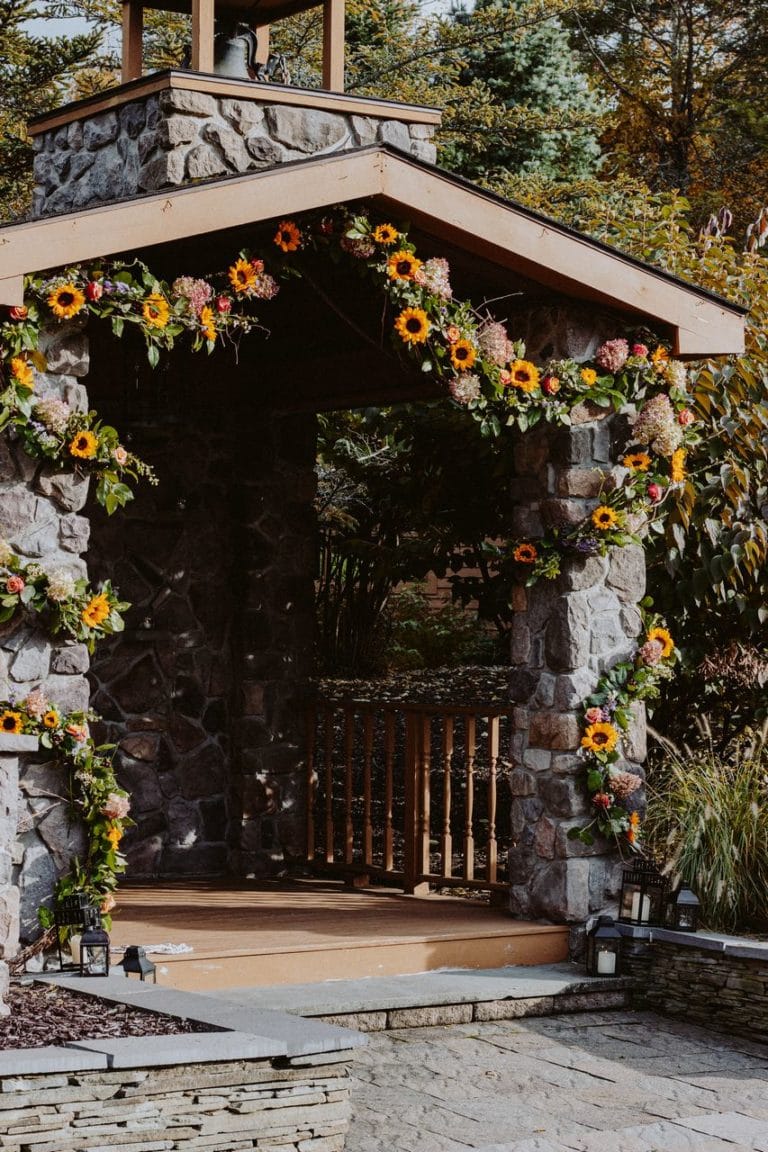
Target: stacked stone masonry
point(177, 137)
point(228, 1106)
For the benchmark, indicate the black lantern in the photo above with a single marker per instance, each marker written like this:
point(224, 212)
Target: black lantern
point(94, 949)
point(643, 892)
point(603, 948)
point(135, 960)
point(71, 915)
point(683, 911)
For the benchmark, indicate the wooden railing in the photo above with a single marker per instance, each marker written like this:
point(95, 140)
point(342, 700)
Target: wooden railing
point(409, 794)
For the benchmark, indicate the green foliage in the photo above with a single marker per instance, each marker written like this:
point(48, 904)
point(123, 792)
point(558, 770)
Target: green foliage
point(425, 635)
point(708, 817)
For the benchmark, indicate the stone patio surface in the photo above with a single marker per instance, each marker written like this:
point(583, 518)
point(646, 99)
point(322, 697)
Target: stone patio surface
point(593, 1082)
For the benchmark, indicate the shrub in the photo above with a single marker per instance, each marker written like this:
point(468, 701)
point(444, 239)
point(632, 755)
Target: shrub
point(708, 818)
point(423, 636)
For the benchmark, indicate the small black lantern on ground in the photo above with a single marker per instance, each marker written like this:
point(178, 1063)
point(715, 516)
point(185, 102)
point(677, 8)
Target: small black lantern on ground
point(135, 961)
point(94, 948)
point(603, 948)
point(683, 911)
point(643, 895)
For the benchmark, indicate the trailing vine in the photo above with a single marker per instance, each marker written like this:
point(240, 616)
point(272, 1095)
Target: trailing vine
point(485, 372)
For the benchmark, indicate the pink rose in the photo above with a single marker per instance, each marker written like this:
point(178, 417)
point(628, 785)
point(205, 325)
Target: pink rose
point(18, 313)
point(685, 417)
point(119, 455)
point(639, 350)
point(15, 584)
point(593, 715)
point(223, 304)
point(94, 290)
point(78, 732)
point(655, 492)
point(550, 385)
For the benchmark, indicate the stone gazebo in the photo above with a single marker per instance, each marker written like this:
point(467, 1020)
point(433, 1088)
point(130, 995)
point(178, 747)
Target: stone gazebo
point(205, 690)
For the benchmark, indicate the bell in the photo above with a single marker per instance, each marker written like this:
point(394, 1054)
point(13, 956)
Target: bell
point(234, 52)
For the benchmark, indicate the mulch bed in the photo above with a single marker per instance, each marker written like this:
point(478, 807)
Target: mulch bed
point(42, 1014)
point(470, 685)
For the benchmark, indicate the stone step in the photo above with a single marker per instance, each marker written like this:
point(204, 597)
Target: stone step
point(447, 996)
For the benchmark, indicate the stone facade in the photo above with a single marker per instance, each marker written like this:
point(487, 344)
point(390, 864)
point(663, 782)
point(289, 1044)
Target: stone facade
point(175, 137)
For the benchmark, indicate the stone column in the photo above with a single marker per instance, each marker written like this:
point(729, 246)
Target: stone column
point(39, 518)
point(11, 747)
point(566, 632)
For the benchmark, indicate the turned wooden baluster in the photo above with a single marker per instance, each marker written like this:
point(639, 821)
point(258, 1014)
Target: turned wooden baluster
point(470, 748)
point(349, 756)
point(328, 765)
point(367, 805)
point(389, 763)
point(425, 769)
point(446, 840)
point(310, 781)
point(493, 765)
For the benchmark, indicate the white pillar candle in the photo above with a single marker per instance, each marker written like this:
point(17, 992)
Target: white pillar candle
point(74, 947)
point(641, 913)
point(606, 963)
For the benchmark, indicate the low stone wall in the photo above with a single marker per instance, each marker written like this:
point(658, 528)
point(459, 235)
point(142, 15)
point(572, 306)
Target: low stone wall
point(718, 981)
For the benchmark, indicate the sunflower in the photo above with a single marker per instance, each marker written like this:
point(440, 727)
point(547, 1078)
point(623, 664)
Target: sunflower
point(677, 466)
point(589, 376)
point(463, 355)
point(23, 372)
point(604, 518)
point(660, 357)
point(412, 326)
point(288, 236)
point(51, 719)
point(84, 445)
point(242, 276)
point(96, 611)
point(385, 234)
point(66, 301)
point(114, 836)
point(600, 738)
point(664, 638)
point(207, 324)
point(156, 310)
point(525, 554)
point(402, 266)
point(524, 375)
point(637, 461)
point(11, 723)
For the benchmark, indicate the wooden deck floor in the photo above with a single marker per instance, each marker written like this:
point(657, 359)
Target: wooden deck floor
point(299, 932)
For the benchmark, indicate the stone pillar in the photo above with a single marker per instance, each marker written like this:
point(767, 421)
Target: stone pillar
point(11, 747)
point(39, 518)
point(566, 632)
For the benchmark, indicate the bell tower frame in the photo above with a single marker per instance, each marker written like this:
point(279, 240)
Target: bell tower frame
point(257, 15)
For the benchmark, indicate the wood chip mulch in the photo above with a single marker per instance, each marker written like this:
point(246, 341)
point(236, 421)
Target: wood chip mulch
point(470, 685)
point(42, 1014)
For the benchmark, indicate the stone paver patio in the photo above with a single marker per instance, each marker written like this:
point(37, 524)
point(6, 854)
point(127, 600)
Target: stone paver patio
point(593, 1082)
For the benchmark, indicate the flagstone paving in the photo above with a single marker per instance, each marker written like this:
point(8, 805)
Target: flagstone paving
point(592, 1082)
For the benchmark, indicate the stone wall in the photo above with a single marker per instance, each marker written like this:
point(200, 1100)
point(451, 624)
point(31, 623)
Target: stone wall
point(40, 518)
point(174, 137)
point(718, 981)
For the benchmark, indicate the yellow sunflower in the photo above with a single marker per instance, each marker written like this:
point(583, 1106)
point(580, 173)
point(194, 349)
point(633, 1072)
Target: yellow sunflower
point(524, 375)
point(604, 518)
point(463, 355)
point(95, 611)
point(207, 323)
point(589, 376)
point(677, 466)
point(600, 738)
point(525, 554)
point(288, 236)
point(242, 276)
point(84, 445)
point(660, 357)
point(664, 638)
point(385, 234)
point(51, 719)
point(22, 370)
point(66, 301)
point(156, 310)
point(402, 266)
point(637, 461)
point(114, 836)
point(412, 325)
point(11, 723)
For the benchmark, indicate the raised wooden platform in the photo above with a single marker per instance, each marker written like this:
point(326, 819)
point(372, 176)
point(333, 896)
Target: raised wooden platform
point(303, 931)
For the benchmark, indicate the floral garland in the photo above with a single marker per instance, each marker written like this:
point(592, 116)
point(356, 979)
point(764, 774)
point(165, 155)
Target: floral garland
point(93, 793)
point(66, 603)
point(486, 373)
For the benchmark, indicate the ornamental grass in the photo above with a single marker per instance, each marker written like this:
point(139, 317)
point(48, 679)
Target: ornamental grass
point(708, 817)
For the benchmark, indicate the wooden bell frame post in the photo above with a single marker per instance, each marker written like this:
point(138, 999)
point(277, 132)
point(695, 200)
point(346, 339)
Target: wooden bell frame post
point(259, 16)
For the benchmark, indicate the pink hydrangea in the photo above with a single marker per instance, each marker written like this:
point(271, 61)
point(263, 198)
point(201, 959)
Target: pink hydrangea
point(656, 424)
point(116, 807)
point(436, 274)
point(623, 784)
point(465, 388)
point(53, 413)
point(362, 247)
point(196, 292)
point(651, 652)
point(36, 703)
point(494, 343)
point(612, 355)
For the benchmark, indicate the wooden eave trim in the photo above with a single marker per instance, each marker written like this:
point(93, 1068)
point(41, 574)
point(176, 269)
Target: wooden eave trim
point(479, 223)
point(222, 87)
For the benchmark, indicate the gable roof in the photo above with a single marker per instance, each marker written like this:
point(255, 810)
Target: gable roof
point(449, 207)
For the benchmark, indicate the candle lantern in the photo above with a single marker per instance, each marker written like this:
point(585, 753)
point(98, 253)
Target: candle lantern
point(135, 961)
point(683, 911)
point(71, 915)
point(94, 949)
point(604, 948)
point(643, 893)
